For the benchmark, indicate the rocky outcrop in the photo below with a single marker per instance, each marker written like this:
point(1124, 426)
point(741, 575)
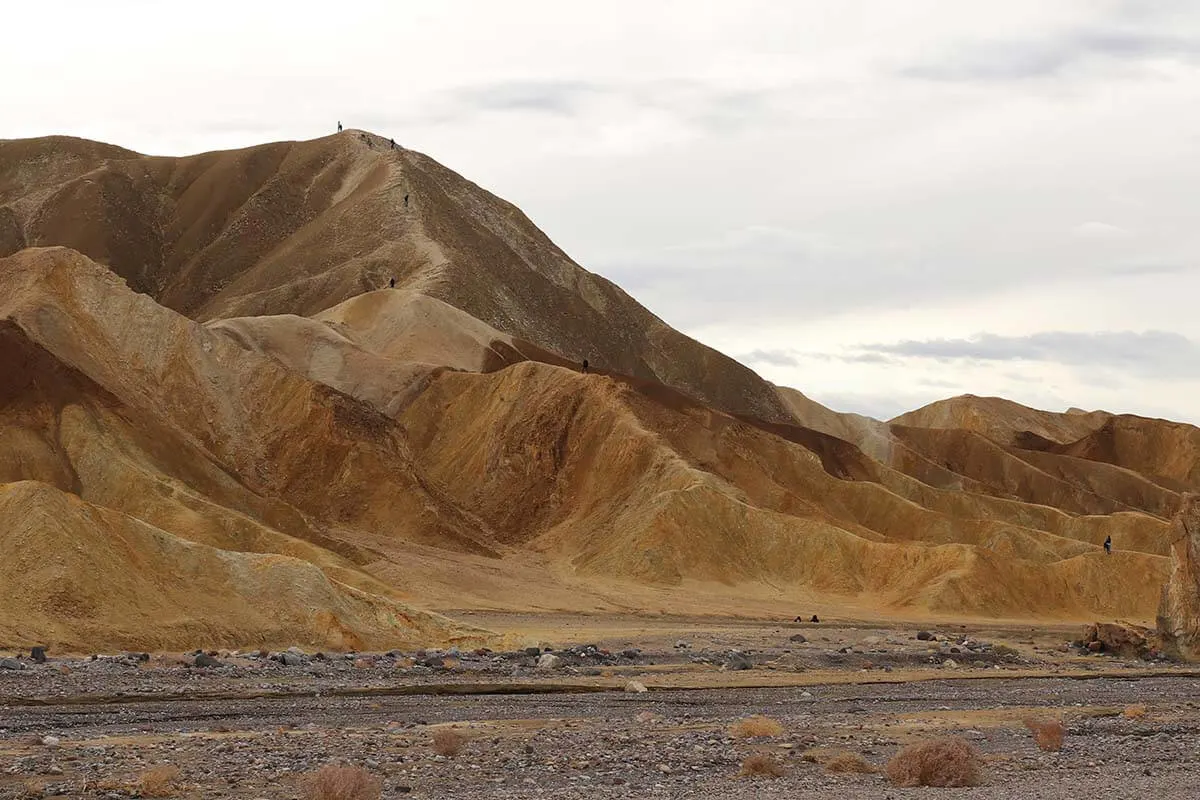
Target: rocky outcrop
point(1123, 641)
point(1179, 609)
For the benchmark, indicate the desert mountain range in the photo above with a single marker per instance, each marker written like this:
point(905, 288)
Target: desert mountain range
point(220, 424)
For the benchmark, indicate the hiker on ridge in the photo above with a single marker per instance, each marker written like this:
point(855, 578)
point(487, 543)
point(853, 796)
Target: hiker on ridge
point(339, 126)
point(1108, 545)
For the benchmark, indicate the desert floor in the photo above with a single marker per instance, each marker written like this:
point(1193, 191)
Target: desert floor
point(253, 727)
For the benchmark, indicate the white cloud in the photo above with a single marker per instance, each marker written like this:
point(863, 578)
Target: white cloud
point(772, 177)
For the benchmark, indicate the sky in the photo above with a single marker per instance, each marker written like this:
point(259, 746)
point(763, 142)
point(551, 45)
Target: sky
point(878, 203)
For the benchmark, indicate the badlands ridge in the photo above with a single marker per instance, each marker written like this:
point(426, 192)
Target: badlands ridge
point(220, 426)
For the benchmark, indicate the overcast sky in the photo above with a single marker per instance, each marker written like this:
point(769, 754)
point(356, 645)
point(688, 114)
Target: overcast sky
point(879, 203)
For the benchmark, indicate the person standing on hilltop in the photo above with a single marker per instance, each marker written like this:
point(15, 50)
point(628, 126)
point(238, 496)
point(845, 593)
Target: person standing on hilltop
point(339, 126)
point(1108, 545)
point(392, 142)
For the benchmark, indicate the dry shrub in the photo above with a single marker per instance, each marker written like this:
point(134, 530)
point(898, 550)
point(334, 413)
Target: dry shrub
point(1047, 733)
point(335, 782)
point(844, 763)
point(761, 765)
point(33, 789)
point(1134, 712)
point(949, 761)
point(158, 781)
point(447, 742)
point(752, 727)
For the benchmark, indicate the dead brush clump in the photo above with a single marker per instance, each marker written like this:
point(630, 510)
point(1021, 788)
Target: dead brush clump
point(846, 763)
point(1047, 733)
point(447, 742)
point(160, 781)
point(1136, 711)
point(761, 765)
point(341, 782)
point(756, 727)
point(945, 762)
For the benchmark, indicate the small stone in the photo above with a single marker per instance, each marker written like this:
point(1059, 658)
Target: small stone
point(38, 655)
point(50, 741)
point(926, 636)
point(549, 661)
point(636, 687)
point(682, 645)
point(738, 661)
point(950, 663)
point(533, 652)
point(205, 660)
point(798, 638)
point(11, 663)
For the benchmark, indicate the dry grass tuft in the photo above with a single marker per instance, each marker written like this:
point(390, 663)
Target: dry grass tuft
point(938, 762)
point(447, 742)
point(1047, 733)
point(1134, 712)
point(755, 726)
point(846, 763)
point(158, 781)
point(334, 782)
point(761, 765)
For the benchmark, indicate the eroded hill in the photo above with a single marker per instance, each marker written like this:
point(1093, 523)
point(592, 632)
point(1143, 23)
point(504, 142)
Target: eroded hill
point(208, 366)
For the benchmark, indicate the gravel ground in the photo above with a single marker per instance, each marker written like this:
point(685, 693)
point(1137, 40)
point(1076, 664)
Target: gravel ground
point(253, 725)
point(613, 744)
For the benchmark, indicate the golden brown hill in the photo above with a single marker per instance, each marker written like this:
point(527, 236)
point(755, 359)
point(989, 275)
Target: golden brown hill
point(437, 441)
point(81, 577)
point(298, 227)
point(127, 405)
point(1003, 420)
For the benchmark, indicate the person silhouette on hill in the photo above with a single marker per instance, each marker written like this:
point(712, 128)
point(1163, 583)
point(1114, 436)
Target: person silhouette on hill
point(1108, 545)
point(392, 283)
point(339, 126)
point(585, 366)
point(392, 142)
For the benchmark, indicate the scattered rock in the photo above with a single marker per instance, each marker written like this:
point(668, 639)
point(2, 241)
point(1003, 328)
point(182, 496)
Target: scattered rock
point(533, 652)
point(926, 636)
point(738, 661)
point(798, 638)
point(549, 661)
point(50, 741)
point(11, 663)
point(290, 659)
point(635, 687)
point(205, 660)
point(1123, 641)
point(950, 663)
point(38, 655)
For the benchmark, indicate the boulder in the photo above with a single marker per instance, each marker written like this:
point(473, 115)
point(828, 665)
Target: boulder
point(738, 661)
point(11, 663)
point(549, 661)
point(205, 660)
point(926, 636)
point(1179, 604)
point(798, 638)
point(635, 687)
point(1123, 641)
point(38, 655)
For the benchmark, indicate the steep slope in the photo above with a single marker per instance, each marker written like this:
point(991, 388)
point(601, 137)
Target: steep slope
point(298, 227)
point(123, 403)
